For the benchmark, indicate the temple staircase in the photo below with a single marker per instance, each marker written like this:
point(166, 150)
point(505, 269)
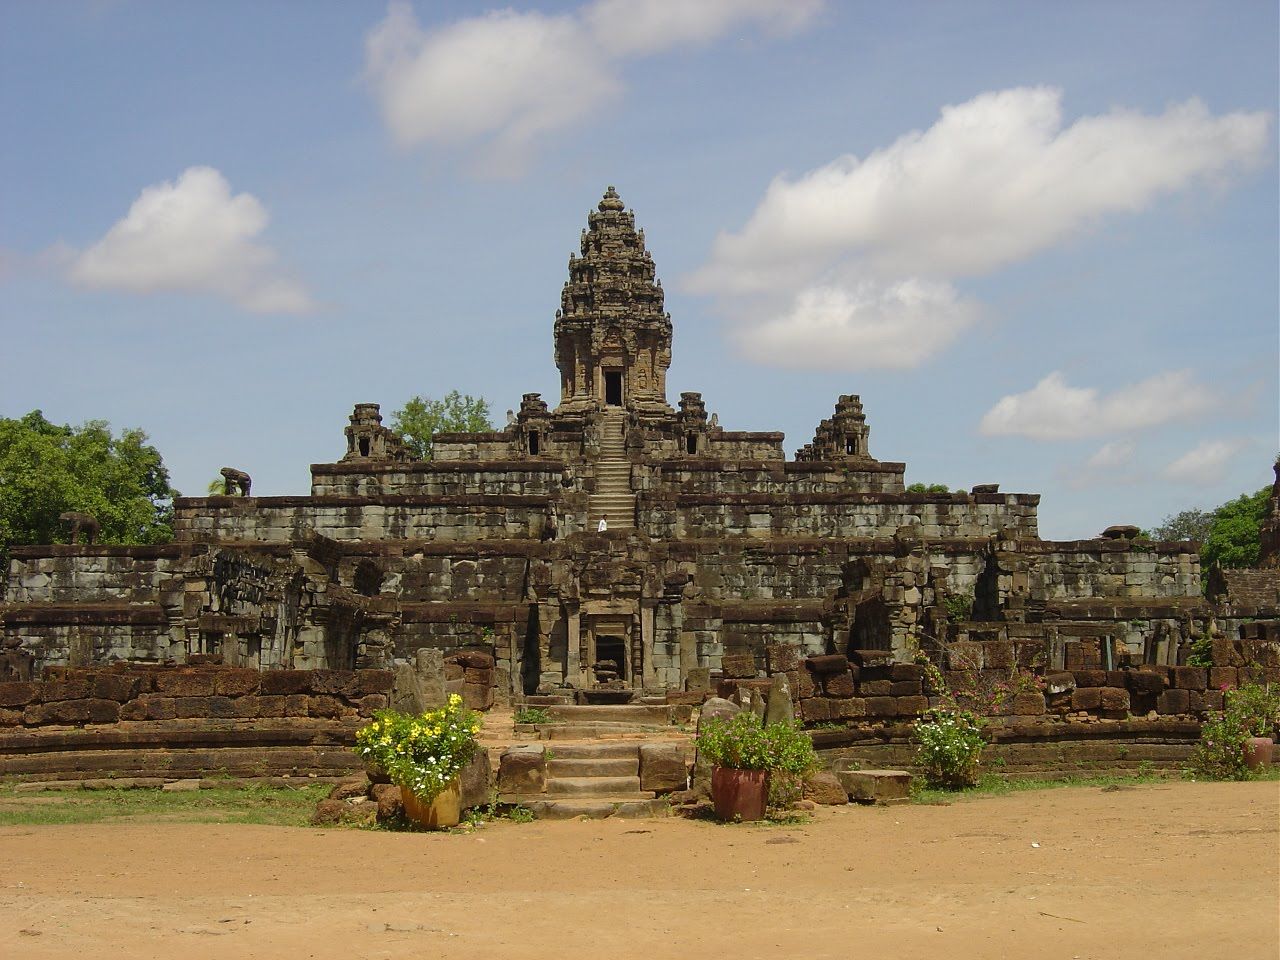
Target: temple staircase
point(593, 760)
point(613, 500)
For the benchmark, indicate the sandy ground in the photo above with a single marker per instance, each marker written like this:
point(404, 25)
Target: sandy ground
point(1162, 871)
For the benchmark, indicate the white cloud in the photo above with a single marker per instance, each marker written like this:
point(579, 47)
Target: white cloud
point(193, 235)
point(993, 181)
point(1054, 410)
point(506, 76)
point(1112, 456)
point(639, 27)
point(1111, 464)
point(863, 326)
point(509, 78)
point(1205, 465)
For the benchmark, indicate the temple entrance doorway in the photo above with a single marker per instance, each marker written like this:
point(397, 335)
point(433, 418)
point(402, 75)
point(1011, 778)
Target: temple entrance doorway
point(611, 659)
point(613, 388)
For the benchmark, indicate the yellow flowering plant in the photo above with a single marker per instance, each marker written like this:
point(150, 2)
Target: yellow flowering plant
point(423, 753)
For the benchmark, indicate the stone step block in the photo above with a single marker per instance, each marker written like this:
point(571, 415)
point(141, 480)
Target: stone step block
point(600, 808)
point(596, 730)
point(612, 713)
point(593, 786)
point(599, 750)
point(593, 767)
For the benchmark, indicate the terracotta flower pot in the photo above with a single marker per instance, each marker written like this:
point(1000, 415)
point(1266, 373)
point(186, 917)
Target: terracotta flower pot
point(438, 814)
point(739, 794)
point(1258, 751)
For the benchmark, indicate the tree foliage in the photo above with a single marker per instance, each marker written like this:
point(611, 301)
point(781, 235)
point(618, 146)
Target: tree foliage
point(47, 469)
point(1234, 536)
point(928, 488)
point(421, 418)
point(1193, 524)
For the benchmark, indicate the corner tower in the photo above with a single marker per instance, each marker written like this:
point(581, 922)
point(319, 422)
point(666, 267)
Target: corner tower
point(612, 337)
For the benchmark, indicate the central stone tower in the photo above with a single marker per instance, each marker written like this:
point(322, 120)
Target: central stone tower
point(613, 338)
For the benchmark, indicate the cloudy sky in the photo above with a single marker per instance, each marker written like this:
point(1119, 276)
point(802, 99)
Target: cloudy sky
point(1039, 239)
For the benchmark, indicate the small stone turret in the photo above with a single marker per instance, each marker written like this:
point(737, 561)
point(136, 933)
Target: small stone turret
point(368, 439)
point(843, 437)
point(533, 423)
point(692, 420)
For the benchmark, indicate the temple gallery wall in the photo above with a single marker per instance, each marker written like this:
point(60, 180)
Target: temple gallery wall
point(610, 540)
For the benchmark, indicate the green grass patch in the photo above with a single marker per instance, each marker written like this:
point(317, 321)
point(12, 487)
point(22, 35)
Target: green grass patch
point(277, 806)
point(996, 785)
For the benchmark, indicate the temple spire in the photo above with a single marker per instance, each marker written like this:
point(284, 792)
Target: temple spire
point(612, 336)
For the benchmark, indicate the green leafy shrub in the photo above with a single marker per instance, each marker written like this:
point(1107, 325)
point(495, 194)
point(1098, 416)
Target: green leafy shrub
point(1220, 753)
point(422, 753)
point(532, 715)
point(959, 606)
point(742, 742)
point(950, 748)
point(1256, 706)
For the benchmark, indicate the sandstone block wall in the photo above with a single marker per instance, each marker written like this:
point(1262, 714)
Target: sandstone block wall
point(73, 696)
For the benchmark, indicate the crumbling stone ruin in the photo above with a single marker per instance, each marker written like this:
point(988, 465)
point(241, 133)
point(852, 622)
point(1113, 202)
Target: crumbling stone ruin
point(716, 550)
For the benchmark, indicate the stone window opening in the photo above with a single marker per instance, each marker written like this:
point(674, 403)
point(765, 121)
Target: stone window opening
point(364, 446)
point(850, 445)
point(691, 443)
point(534, 443)
point(367, 579)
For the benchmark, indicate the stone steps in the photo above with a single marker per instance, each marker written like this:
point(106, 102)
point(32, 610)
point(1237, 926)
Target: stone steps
point(613, 500)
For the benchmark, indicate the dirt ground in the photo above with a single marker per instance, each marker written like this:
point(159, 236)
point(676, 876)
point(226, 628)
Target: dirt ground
point(1160, 871)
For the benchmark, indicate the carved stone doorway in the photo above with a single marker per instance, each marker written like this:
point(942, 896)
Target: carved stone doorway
point(613, 388)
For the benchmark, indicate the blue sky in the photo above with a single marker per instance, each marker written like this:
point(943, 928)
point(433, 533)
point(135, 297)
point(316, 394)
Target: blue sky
point(1039, 239)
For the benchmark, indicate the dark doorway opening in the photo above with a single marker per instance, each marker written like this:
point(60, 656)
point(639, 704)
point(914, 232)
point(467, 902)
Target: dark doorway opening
point(531, 653)
point(611, 657)
point(613, 388)
point(364, 446)
point(533, 443)
point(691, 443)
point(849, 446)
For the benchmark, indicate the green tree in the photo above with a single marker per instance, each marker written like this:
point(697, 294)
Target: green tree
point(1190, 524)
point(421, 418)
point(1234, 536)
point(47, 469)
point(928, 488)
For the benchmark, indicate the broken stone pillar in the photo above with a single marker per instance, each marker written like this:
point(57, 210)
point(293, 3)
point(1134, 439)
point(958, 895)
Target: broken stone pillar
point(780, 708)
point(406, 690)
point(429, 666)
point(697, 679)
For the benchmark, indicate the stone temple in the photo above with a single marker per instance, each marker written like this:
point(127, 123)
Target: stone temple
point(612, 540)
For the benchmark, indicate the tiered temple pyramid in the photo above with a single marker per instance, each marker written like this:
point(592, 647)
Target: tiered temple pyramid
point(714, 544)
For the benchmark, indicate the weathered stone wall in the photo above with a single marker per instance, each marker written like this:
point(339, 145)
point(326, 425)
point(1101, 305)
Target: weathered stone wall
point(1089, 569)
point(130, 691)
point(289, 519)
point(687, 515)
point(98, 574)
point(437, 478)
point(776, 478)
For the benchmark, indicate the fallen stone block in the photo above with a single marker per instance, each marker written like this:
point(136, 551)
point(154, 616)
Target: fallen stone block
point(876, 786)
